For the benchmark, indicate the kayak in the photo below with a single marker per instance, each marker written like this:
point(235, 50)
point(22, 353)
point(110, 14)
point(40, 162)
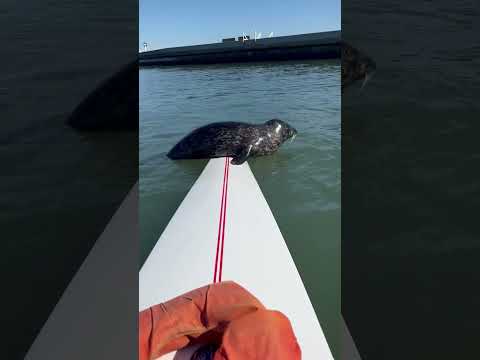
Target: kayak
point(225, 230)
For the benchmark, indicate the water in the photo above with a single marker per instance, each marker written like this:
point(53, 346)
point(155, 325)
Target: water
point(410, 184)
point(301, 182)
point(59, 188)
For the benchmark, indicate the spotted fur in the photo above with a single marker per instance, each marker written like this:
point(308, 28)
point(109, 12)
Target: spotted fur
point(233, 139)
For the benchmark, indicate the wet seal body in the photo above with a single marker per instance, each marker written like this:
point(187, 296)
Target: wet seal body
point(233, 139)
point(112, 106)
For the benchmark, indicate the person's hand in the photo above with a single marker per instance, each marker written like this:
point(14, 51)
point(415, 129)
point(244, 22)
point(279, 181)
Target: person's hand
point(223, 315)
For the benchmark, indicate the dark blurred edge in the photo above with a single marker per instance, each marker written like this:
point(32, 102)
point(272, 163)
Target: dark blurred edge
point(60, 187)
point(349, 350)
point(410, 181)
point(96, 318)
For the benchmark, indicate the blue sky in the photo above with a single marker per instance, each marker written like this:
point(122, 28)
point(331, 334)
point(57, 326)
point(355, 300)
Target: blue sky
point(167, 23)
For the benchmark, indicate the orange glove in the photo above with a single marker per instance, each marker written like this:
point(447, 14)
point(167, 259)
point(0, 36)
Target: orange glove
point(223, 314)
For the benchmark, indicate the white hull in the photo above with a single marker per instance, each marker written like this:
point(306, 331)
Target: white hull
point(255, 254)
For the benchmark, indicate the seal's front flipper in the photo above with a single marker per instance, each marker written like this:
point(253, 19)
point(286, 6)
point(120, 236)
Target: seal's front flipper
point(241, 156)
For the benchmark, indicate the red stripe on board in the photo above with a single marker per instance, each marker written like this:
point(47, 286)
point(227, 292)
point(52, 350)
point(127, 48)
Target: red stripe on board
point(220, 221)
point(224, 219)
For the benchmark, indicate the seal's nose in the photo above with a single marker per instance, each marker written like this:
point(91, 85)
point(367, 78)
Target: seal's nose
point(370, 69)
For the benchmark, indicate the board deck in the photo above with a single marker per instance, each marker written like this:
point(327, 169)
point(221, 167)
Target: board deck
point(255, 254)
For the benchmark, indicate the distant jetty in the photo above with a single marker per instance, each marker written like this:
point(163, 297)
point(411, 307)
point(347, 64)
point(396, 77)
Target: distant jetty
point(322, 45)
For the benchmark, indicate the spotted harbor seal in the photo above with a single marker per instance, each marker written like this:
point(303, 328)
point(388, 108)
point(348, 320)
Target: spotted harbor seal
point(233, 139)
point(355, 66)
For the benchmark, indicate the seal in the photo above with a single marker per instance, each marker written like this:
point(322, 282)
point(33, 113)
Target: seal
point(233, 139)
point(112, 106)
point(355, 66)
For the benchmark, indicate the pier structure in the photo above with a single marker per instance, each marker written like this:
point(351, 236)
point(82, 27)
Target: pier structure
point(322, 45)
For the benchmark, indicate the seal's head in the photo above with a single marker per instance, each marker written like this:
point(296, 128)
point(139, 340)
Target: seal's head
point(367, 69)
point(281, 129)
point(356, 66)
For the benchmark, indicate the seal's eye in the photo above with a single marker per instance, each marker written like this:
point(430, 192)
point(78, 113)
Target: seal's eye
point(277, 130)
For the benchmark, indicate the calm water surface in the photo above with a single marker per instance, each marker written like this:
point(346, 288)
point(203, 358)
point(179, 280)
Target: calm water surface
point(301, 182)
point(411, 158)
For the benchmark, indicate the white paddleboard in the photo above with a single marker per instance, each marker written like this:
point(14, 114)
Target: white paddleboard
point(250, 250)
